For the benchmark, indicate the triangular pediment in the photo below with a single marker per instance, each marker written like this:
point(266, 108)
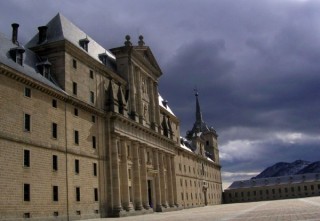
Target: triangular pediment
point(147, 56)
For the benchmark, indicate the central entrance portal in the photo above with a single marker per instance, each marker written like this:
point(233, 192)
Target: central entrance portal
point(150, 193)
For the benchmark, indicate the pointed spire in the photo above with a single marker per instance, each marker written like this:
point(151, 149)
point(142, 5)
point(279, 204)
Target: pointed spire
point(198, 110)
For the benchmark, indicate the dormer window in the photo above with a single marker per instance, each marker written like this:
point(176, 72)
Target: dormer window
point(44, 68)
point(84, 43)
point(17, 54)
point(103, 58)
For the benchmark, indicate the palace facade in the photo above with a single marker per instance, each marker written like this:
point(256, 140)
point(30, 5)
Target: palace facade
point(85, 134)
point(273, 188)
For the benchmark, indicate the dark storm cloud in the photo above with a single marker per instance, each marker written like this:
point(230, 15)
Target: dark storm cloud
point(255, 64)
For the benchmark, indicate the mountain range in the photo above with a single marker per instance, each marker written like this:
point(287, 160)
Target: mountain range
point(287, 169)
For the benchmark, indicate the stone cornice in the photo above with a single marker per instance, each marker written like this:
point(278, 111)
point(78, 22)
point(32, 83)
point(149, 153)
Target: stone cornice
point(146, 132)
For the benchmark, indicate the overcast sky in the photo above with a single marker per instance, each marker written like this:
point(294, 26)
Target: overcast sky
point(255, 64)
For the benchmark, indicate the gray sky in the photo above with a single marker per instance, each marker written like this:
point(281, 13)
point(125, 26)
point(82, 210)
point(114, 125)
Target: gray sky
point(255, 64)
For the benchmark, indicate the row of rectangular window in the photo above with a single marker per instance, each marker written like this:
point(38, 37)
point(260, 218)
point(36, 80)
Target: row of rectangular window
point(27, 93)
point(55, 193)
point(75, 65)
point(26, 163)
point(274, 191)
point(75, 92)
point(27, 127)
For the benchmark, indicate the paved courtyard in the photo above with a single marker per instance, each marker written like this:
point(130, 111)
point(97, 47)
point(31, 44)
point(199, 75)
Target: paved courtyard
point(291, 209)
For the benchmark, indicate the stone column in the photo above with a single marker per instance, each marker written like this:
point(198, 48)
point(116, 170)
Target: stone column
point(116, 202)
point(157, 182)
point(169, 181)
point(144, 181)
point(174, 182)
point(136, 177)
point(162, 181)
point(126, 204)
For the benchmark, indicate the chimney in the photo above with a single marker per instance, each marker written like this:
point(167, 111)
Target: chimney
point(15, 27)
point(42, 34)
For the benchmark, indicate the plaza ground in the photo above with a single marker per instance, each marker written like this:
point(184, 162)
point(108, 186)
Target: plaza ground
point(278, 210)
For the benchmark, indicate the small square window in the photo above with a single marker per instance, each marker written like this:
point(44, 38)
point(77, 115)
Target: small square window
point(92, 97)
point(91, 74)
point(76, 166)
point(78, 196)
point(93, 142)
point(76, 113)
point(27, 92)
point(26, 192)
point(27, 122)
point(96, 194)
point(55, 193)
point(94, 169)
point(74, 88)
point(54, 130)
point(54, 103)
point(93, 119)
point(26, 215)
point(74, 63)
point(55, 162)
point(76, 137)
point(26, 158)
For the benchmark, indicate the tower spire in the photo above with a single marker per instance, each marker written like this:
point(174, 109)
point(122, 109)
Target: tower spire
point(198, 110)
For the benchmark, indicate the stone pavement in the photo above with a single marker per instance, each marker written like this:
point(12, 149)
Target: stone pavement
point(278, 210)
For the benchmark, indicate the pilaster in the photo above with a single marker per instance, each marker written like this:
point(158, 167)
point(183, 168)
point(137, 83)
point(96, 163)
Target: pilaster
point(126, 204)
point(144, 184)
point(116, 202)
point(136, 177)
point(169, 182)
point(157, 182)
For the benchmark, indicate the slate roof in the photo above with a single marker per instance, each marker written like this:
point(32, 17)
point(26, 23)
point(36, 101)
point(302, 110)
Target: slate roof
point(30, 60)
point(273, 181)
point(60, 28)
point(163, 104)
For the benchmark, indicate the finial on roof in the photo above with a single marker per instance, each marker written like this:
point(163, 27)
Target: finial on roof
point(140, 42)
point(196, 92)
point(127, 42)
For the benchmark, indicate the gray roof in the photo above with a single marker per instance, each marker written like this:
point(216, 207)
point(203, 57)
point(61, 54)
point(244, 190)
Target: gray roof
point(30, 60)
point(60, 28)
point(273, 181)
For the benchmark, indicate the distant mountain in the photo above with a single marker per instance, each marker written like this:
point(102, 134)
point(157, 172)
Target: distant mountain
point(287, 169)
point(311, 168)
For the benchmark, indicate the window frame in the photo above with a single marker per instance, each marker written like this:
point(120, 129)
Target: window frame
point(77, 166)
point(54, 103)
point(55, 162)
point(27, 122)
point(55, 193)
point(26, 158)
point(54, 130)
point(27, 92)
point(76, 137)
point(26, 192)
point(78, 194)
point(74, 88)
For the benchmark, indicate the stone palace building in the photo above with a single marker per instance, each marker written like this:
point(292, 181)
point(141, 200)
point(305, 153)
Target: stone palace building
point(273, 188)
point(85, 134)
